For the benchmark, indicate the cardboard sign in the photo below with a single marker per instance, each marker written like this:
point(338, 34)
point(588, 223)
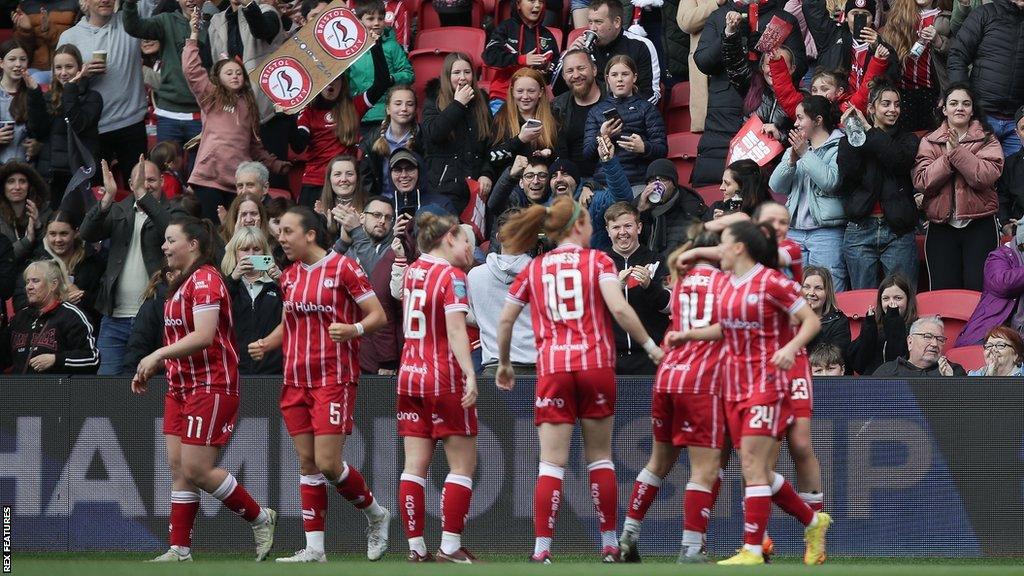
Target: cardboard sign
point(312, 58)
point(751, 142)
point(774, 35)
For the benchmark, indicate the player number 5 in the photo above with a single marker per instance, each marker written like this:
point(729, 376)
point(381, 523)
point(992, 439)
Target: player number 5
point(335, 413)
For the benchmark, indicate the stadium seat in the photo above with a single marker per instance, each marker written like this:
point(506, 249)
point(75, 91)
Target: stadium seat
point(855, 303)
point(559, 37)
point(683, 145)
point(427, 64)
point(953, 306)
point(970, 357)
point(710, 194)
point(428, 17)
point(455, 39)
point(923, 282)
point(280, 193)
point(677, 114)
point(573, 35)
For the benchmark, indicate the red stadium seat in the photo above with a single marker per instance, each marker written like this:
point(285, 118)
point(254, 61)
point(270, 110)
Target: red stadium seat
point(559, 37)
point(970, 357)
point(455, 39)
point(429, 18)
point(427, 64)
point(573, 35)
point(677, 113)
point(684, 168)
point(280, 193)
point(953, 306)
point(683, 145)
point(855, 303)
point(710, 194)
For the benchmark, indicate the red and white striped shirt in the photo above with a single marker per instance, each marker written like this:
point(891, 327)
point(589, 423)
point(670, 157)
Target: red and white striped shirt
point(695, 367)
point(858, 63)
point(791, 259)
point(215, 367)
point(917, 72)
point(754, 312)
point(314, 298)
point(432, 288)
point(572, 324)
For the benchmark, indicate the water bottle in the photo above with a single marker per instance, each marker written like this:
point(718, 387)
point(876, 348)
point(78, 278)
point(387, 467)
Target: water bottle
point(917, 49)
point(854, 131)
point(657, 193)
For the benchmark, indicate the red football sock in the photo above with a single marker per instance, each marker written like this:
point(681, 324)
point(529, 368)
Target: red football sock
point(352, 486)
point(645, 489)
point(237, 499)
point(605, 492)
point(785, 497)
point(697, 505)
point(313, 493)
point(411, 499)
point(757, 507)
point(184, 506)
point(547, 496)
point(814, 500)
point(455, 499)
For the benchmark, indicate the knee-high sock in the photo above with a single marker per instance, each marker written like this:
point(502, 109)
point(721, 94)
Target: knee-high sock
point(184, 506)
point(785, 497)
point(757, 507)
point(455, 499)
point(547, 497)
point(237, 499)
point(645, 490)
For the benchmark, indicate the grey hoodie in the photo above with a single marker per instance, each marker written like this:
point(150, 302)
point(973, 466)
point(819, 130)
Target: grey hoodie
point(488, 287)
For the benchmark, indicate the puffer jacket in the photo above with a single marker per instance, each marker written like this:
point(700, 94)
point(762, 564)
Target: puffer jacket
point(725, 104)
point(638, 117)
point(1002, 289)
point(810, 186)
point(879, 172)
point(81, 107)
point(508, 46)
point(675, 42)
point(960, 184)
point(1011, 188)
point(988, 52)
point(835, 330)
point(453, 145)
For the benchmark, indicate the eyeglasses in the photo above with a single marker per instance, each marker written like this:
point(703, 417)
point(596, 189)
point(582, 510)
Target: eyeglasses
point(404, 168)
point(931, 337)
point(380, 216)
point(1000, 346)
point(535, 176)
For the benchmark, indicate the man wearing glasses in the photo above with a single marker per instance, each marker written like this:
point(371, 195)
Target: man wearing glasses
point(372, 239)
point(925, 358)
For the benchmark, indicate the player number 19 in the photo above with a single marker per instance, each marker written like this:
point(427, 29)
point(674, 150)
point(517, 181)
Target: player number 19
point(563, 294)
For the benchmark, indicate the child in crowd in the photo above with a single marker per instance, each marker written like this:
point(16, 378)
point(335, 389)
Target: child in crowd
point(399, 130)
point(16, 82)
point(521, 41)
point(329, 126)
point(832, 84)
point(168, 157)
point(827, 360)
point(361, 74)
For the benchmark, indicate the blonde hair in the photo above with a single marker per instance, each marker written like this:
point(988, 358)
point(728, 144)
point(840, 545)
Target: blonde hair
point(509, 121)
point(53, 273)
point(900, 31)
point(380, 145)
point(227, 228)
point(77, 251)
point(244, 237)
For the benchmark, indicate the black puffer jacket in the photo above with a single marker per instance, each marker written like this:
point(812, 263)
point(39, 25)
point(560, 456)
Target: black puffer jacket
point(835, 330)
point(82, 108)
point(725, 105)
point(453, 146)
point(990, 47)
point(876, 344)
point(628, 44)
point(254, 319)
point(676, 43)
point(880, 171)
point(1011, 188)
point(638, 117)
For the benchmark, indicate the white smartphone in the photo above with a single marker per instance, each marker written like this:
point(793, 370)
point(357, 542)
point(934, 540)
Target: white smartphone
point(534, 123)
point(261, 262)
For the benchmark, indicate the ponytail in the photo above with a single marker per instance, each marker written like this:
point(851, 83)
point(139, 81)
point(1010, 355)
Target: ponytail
point(432, 228)
point(520, 234)
point(202, 232)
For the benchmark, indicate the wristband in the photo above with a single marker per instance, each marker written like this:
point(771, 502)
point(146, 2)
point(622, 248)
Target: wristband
point(359, 328)
point(650, 346)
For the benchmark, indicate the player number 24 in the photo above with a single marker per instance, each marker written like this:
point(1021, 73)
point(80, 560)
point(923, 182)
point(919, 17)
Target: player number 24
point(563, 294)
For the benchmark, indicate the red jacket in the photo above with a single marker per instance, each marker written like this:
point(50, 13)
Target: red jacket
point(961, 183)
point(789, 97)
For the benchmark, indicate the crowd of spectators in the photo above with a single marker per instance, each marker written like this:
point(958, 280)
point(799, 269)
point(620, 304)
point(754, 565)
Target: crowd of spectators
point(899, 125)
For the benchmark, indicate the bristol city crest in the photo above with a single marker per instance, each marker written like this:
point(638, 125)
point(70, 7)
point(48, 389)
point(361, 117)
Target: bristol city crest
point(339, 33)
point(286, 81)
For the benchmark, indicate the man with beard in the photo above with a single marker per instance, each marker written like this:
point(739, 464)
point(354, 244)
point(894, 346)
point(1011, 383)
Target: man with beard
point(571, 108)
point(520, 186)
point(642, 277)
point(373, 238)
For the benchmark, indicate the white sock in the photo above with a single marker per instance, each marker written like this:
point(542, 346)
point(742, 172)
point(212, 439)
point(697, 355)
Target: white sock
point(648, 477)
point(418, 545)
point(755, 548)
point(315, 541)
point(262, 518)
point(812, 497)
point(450, 542)
point(374, 511)
point(541, 544)
point(631, 525)
point(609, 538)
point(692, 539)
point(182, 550)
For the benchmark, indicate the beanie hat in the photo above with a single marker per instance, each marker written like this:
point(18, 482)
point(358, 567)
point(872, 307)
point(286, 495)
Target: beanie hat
point(663, 168)
point(868, 5)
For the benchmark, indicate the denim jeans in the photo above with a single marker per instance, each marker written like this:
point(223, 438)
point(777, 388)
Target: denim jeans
point(869, 245)
point(180, 131)
point(113, 339)
point(823, 247)
point(1004, 130)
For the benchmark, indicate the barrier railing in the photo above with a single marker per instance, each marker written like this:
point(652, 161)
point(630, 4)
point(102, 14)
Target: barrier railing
point(910, 468)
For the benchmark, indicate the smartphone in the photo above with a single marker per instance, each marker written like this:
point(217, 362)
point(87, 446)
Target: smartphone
point(534, 123)
point(611, 114)
point(409, 210)
point(261, 262)
point(860, 22)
